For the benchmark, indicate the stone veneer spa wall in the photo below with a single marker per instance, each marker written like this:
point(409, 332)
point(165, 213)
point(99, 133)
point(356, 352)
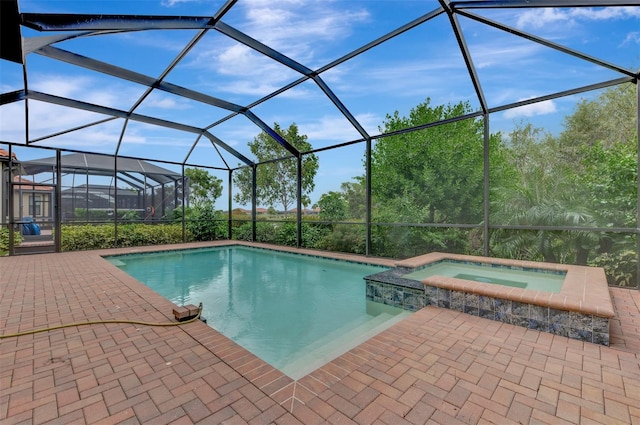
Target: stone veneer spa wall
point(580, 310)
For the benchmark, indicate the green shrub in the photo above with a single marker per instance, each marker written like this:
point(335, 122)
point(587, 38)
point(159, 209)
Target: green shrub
point(79, 238)
point(143, 234)
point(266, 232)
point(286, 234)
point(410, 241)
point(241, 231)
point(92, 215)
point(4, 240)
point(131, 215)
point(203, 223)
point(282, 233)
point(620, 267)
point(345, 238)
point(313, 234)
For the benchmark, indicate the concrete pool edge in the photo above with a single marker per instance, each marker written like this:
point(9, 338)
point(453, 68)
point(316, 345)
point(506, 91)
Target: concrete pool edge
point(576, 303)
point(581, 310)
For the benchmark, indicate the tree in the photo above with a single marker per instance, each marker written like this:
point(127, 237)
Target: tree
point(201, 220)
point(204, 188)
point(607, 172)
point(433, 175)
point(610, 180)
point(608, 119)
point(542, 195)
point(603, 133)
point(356, 196)
point(586, 177)
point(333, 206)
point(277, 180)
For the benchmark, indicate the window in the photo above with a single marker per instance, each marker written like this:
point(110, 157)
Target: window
point(38, 205)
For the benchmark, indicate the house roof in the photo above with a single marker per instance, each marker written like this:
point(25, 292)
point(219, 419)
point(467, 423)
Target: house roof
point(4, 154)
point(30, 185)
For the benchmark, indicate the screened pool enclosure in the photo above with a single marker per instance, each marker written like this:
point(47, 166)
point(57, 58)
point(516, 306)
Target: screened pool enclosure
point(502, 128)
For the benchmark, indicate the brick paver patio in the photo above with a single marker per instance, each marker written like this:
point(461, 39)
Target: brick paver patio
point(436, 366)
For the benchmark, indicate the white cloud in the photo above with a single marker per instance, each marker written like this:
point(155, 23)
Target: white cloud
point(237, 132)
point(240, 60)
point(246, 72)
point(335, 128)
point(294, 27)
point(43, 118)
point(395, 79)
point(86, 89)
point(632, 38)
point(46, 119)
point(293, 24)
point(538, 18)
point(161, 100)
point(172, 3)
point(488, 55)
point(12, 122)
point(164, 103)
point(59, 85)
point(607, 13)
point(540, 108)
point(137, 139)
point(262, 88)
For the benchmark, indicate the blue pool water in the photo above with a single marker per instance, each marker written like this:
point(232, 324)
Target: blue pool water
point(296, 312)
point(535, 279)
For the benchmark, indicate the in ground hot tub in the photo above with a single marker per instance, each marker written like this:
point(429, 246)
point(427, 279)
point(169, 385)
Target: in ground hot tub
point(573, 301)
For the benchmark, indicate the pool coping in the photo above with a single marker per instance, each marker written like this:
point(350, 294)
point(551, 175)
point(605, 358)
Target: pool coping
point(575, 295)
point(585, 289)
point(347, 257)
point(582, 309)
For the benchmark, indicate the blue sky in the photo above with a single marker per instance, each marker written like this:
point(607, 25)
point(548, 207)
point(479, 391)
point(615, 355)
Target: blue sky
point(424, 62)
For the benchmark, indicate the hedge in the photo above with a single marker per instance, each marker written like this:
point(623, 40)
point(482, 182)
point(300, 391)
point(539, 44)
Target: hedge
point(4, 240)
point(85, 237)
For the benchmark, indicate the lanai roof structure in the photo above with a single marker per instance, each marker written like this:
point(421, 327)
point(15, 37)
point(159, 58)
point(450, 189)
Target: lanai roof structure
point(191, 83)
point(102, 165)
point(76, 39)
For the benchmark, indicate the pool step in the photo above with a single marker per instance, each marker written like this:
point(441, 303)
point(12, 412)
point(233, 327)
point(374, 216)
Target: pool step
point(349, 330)
point(339, 342)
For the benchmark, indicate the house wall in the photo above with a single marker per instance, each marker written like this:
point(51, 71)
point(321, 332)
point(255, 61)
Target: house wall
point(25, 208)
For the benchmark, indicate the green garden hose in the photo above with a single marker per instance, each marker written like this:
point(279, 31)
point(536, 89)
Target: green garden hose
point(98, 322)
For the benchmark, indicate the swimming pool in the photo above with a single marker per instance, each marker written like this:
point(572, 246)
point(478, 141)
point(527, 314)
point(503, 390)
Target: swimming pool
point(296, 312)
